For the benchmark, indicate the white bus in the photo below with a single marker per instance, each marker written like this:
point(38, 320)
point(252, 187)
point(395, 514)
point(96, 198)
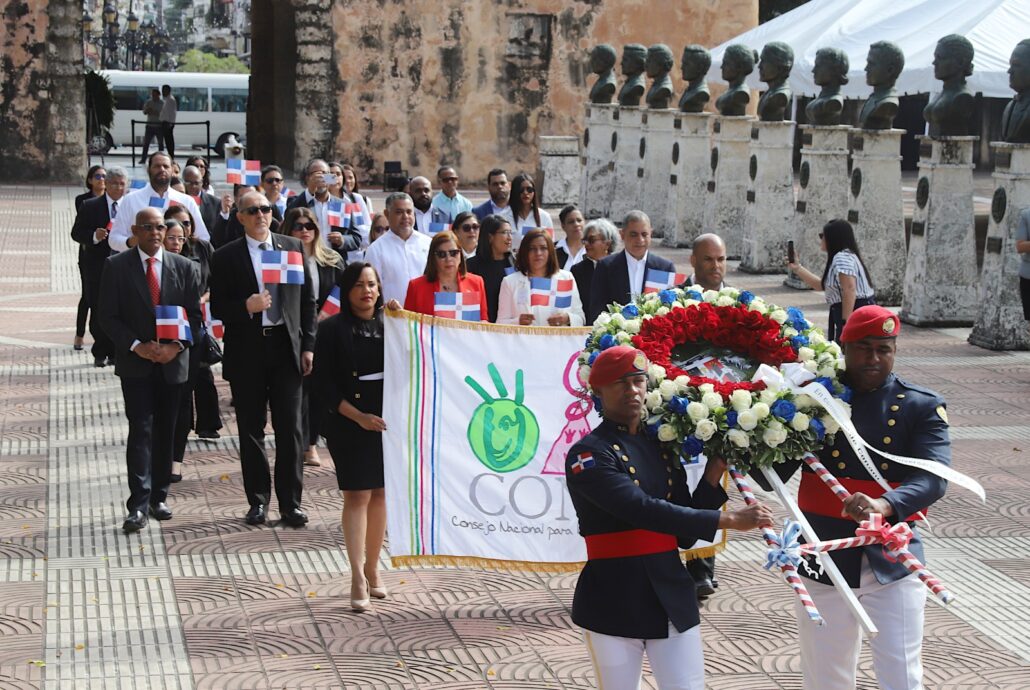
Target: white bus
point(220, 98)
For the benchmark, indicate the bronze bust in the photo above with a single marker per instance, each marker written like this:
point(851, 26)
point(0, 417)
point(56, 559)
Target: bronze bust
point(830, 72)
point(950, 114)
point(1015, 121)
point(695, 64)
point(882, 68)
point(774, 69)
point(660, 61)
point(602, 63)
point(738, 61)
point(634, 58)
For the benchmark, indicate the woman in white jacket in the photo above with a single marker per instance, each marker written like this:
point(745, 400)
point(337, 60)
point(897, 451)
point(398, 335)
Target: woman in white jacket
point(539, 293)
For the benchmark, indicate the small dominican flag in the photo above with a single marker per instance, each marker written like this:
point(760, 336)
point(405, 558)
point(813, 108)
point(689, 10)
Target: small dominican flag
point(334, 214)
point(289, 192)
point(172, 323)
point(438, 227)
point(526, 229)
point(584, 461)
point(332, 302)
point(197, 200)
point(158, 202)
point(547, 292)
point(282, 267)
point(663, 280)
point(463, 306)
point(215, 327)
point(137, 184)
point(239, 171)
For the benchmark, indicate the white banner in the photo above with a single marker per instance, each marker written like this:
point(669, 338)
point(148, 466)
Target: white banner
point(479, 420)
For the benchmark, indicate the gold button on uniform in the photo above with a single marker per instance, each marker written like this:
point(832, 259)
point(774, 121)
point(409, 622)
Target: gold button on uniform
point(615, 446)
point(841, 465)
point(891, 422)
point(670, 482)
point(357, 395)
point(887, 440)
point(632, 470)
point(894, 408)
point(901, 396)
point(354, 373)
point(625, 458)
point(835, 453)
point(665, 456)
point(884, 466)
point(637, 482)
point(668, 496)
point(668, 469)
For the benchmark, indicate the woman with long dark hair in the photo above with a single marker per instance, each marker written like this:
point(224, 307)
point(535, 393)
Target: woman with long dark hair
point(537, 259)
point(493, 259)
point(525, 207)
point(96, 183)
point(845, 279)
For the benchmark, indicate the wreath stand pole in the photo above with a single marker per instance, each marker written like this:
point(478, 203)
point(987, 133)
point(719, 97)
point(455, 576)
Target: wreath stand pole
point(829, 567)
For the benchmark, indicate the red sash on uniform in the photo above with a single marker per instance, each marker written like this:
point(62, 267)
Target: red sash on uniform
point(814, 496)
point(634, 542)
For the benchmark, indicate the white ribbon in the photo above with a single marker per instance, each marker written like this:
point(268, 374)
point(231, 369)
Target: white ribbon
point(797, 380)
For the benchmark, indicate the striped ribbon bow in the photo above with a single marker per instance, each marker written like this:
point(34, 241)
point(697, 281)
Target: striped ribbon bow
point(894, 537)
point(787, 549)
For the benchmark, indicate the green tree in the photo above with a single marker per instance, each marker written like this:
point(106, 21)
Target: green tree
point(194, 60)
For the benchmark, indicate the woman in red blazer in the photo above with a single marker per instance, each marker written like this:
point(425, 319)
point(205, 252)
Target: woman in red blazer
point(447, 276)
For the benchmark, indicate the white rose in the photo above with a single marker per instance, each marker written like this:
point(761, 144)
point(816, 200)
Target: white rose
point(584, 373)
point(667, 389)
point(712, 400)
point(761, 410)
point(800, 421)
point(827, 371)
point(748, 420)
point(710, 296)
point(653, 400)
point(682, 381)
point(757, 305)
point(602, 319)
point(738, 438)
point(825, 358)
point(705, 429)
point(690, 303)
point(803, 400)
point(741, 400)
point(623, 337)
point(789, 332)
point(655, 373)
point(666, 432)
point(662, 311)
point(725, 301)
point(834, 348)
point(806, 354)
point(697, 411)
point(768, 396)
point(706, 388)
point(831, 425)
point(773, 437)
point(811, 366)
point(779, 316)
point(633, 327)
point(775, 424)
point(619, 321)
point(816, 338)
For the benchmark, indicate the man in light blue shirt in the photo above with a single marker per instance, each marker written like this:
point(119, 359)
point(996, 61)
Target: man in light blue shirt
point(449, 202)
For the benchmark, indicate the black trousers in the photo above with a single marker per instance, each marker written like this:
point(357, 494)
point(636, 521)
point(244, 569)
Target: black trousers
point(701, 569)
point(276, 385)
point(309, 422)
point(152, 131)
point(102, 345)
point(83, 309)
point(184, 420)
point(836, 319)
point(168, 132)
point(150, 406)
point(205, 398)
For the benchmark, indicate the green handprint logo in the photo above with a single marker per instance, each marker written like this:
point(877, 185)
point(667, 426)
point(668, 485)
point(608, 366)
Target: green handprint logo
point(502, 433)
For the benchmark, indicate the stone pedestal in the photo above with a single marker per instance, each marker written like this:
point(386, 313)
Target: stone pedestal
point(823, 194)
point(559, 163)
point(655, 195)
point(999, 322)
point(599, 142)
point(770, 198)
point(629, 156)
point(726, 205)
point(688, 181)
point(876, 211)
point(940, 276)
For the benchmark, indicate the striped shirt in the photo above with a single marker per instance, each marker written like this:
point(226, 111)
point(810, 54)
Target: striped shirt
point(846, 263)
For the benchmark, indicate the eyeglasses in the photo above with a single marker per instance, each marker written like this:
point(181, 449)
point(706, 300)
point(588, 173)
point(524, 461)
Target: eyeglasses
point(444, 253)
point(448, 179)
point(151, 227)
point(470, 227)
point(254, 210)
point(99, 176)
point(591, 239)
point(311, 227)
point(174, 238)
point(184, 223)
point(273, 180)
point(528, 190)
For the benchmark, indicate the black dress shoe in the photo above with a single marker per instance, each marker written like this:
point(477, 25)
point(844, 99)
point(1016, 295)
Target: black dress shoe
point(160, 511)
point(135, 522)
point(210, 435)
point(256, 515)
point(176, 478)
point(704, 588)
point(99, 363)
point(295, 517)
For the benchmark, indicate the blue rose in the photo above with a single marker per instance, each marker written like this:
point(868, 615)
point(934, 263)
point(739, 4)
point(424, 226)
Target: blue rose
point(826, 382)
point(694, 294)
point(586, 345)
point(799, 341)
point(846, 395)
point(817, 427)
point(692, 446)
point(667, 297)
point(797, 319)
point(784, 410)
point(593, 356)
point(630, 311)
point(652, 429)
point(731, 418)
point(678, 404)
point(607, 340)
point(745, 298)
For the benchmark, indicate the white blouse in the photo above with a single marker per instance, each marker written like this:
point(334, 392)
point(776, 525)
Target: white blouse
point(514, 300)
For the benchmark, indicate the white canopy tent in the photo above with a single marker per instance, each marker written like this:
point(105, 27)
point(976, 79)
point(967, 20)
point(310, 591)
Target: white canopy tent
point(993, 26)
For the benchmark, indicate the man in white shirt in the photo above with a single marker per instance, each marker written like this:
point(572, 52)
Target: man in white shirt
point(400, 254)
point(449, 202)
point(159, 169)
point(169, 108)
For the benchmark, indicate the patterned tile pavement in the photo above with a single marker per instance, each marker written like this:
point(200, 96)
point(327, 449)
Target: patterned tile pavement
point(204, 601)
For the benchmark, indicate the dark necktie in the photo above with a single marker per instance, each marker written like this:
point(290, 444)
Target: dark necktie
point(274, 312)
point(155, 287)
point(114, 210)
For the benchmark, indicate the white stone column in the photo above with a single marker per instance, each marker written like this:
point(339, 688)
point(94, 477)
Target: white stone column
point(823, 194)
point(770, 198)
point(559, 163)
point(688, 181)
point(877, 212)
point(595, 189)
point(941, 277)
point(655, 195)
point(999, 322)
point(726, 205)
point(629, 155)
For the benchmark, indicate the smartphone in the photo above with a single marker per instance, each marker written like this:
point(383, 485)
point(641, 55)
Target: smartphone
point(329, 179)
point(791, 256)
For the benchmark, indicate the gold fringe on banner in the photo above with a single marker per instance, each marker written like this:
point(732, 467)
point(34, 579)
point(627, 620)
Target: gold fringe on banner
point(486, 325)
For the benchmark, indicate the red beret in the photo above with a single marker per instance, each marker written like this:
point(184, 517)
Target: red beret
point(872, 321)
point(615, 363)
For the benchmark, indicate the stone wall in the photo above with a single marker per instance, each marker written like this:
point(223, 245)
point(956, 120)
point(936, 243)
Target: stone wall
point(42, 99)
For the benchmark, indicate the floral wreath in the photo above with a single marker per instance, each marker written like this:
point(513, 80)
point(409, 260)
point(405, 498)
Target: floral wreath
point(696, 403)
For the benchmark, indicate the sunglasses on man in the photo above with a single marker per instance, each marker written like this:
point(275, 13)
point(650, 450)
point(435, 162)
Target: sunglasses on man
point(254, 210)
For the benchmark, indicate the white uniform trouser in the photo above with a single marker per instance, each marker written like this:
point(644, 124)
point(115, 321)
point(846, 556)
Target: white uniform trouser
point(829, 653)
point(677, 662)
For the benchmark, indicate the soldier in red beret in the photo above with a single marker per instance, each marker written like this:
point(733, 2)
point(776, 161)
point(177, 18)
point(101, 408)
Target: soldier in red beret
point(635, 512)
point(895, 417)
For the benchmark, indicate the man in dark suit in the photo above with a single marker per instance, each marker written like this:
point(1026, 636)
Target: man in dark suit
point(227, 226)
point(620, 277)
point(500, 195)
point(152, 372)
point(91, 228)
point(269, 344)
point(317, 198)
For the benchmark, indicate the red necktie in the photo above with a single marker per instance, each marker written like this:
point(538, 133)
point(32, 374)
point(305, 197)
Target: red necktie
point(155, 287)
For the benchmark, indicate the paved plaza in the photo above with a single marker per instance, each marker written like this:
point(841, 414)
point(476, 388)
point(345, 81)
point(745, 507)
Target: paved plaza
point(205, 601)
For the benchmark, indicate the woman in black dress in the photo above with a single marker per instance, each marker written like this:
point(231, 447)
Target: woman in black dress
point(493, 260)
point(96, 181)
point(348, 373)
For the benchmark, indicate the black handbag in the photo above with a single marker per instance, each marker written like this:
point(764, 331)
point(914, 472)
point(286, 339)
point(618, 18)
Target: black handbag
point(210, 351)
